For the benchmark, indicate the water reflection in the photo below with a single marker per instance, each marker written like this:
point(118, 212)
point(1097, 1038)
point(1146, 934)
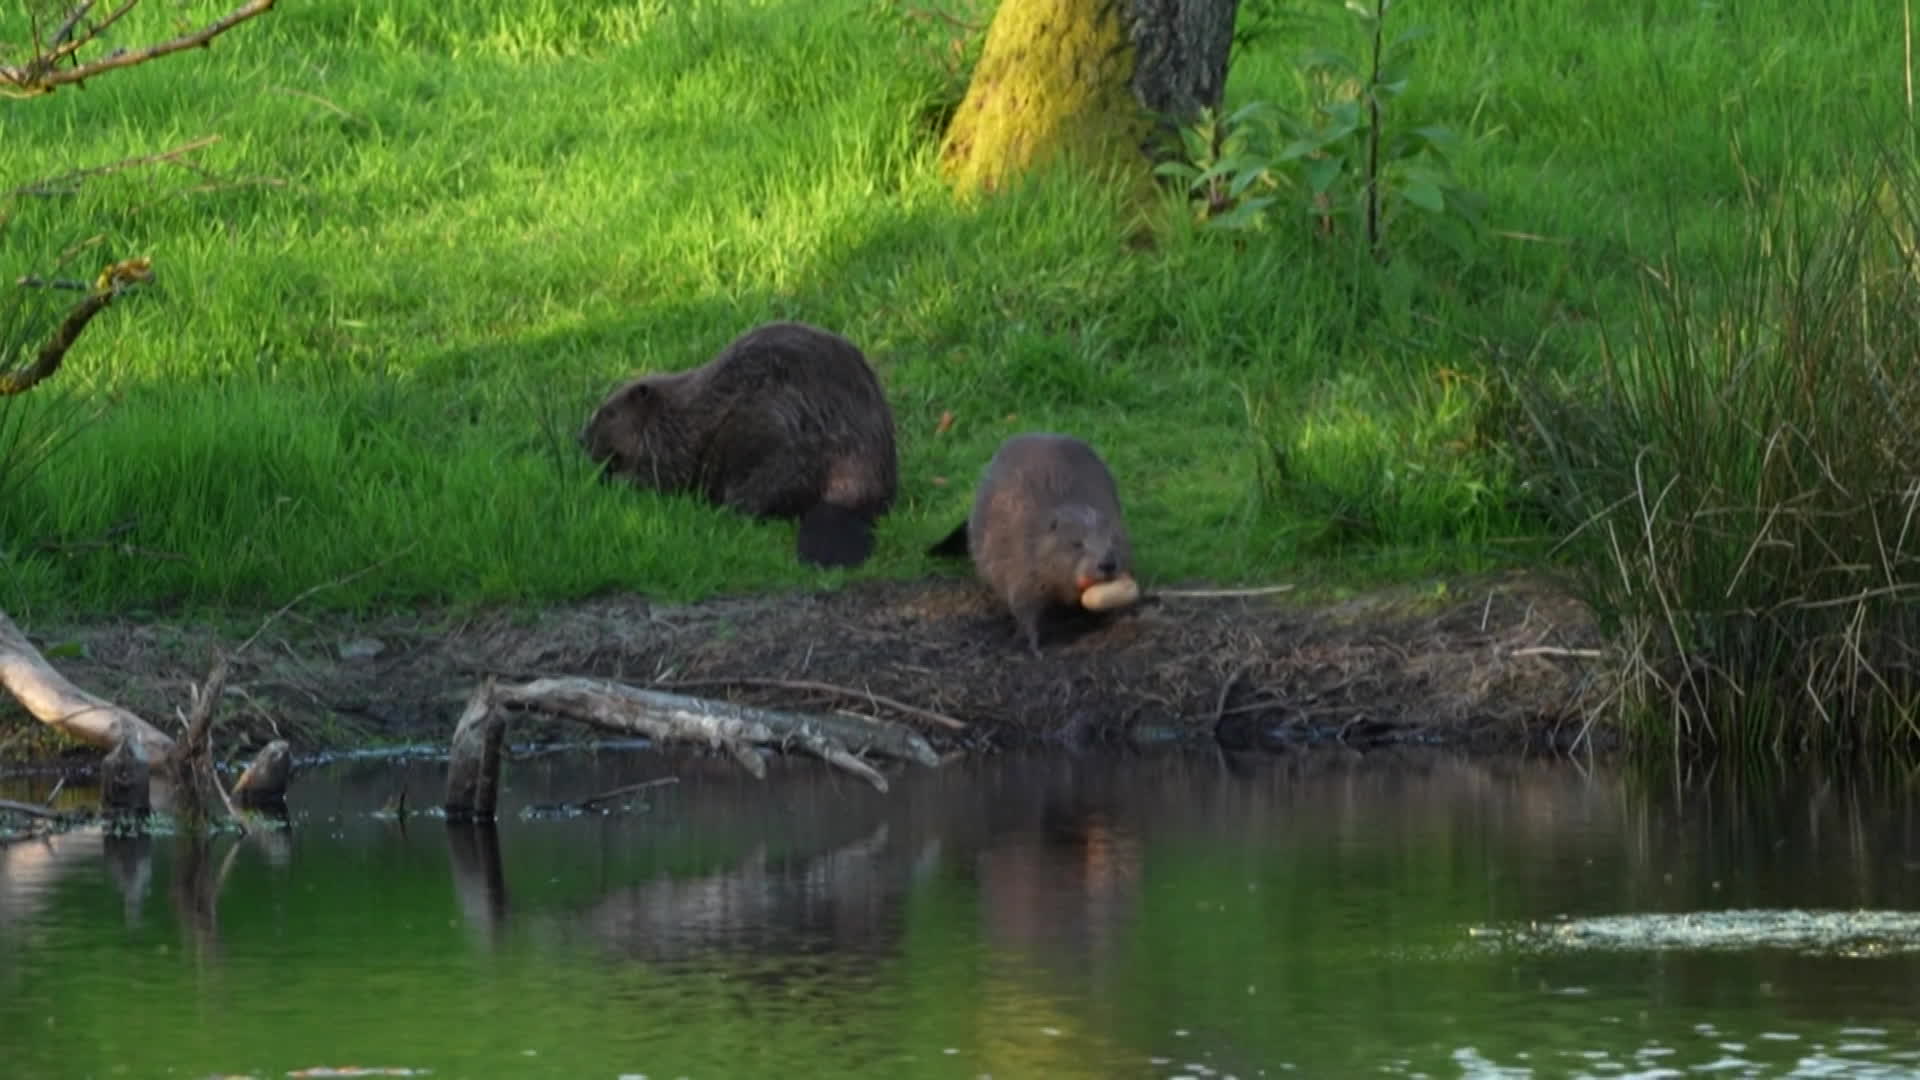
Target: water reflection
point(840, 905)
point(473, 854)
point(1018, 916)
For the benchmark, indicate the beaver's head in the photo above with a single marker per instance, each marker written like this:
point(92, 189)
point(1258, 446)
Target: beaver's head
point(638, 433)
point(1082, 539)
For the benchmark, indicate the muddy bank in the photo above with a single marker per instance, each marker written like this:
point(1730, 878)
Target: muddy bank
point(1496, 665)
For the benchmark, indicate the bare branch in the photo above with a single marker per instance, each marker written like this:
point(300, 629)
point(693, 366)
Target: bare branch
point(42, 75)
point(64, 44)
point(62, 184)
point(114, 280)
point(826, 688)
point(61, 36)
point(30, 810)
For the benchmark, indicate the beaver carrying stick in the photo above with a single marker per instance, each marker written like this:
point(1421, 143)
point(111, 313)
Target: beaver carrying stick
point(1046, 531)
point(787, 421)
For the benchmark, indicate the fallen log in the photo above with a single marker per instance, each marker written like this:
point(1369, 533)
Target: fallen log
point(51, 699)
point(473, 766)
point(611, 706)
point(144, 766)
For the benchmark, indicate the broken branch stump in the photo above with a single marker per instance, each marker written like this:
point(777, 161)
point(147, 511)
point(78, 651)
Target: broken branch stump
point(124, 775)
point(473, 765)
point(200, 798)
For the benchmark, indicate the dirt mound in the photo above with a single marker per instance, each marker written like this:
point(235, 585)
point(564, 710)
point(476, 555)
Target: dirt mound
point(1502, 664)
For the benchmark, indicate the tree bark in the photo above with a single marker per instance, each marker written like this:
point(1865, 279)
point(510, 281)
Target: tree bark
point(1085, 80)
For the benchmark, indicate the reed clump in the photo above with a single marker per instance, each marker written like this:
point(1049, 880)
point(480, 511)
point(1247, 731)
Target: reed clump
point(1739, 482)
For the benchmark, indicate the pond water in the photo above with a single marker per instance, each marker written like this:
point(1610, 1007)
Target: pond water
point(1318, 915)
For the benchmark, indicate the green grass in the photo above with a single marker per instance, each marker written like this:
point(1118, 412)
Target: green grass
point(432, 234)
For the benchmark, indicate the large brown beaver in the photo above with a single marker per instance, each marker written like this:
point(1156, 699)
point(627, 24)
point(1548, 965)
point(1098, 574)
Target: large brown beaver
point(1045, 528)
point(787, 421)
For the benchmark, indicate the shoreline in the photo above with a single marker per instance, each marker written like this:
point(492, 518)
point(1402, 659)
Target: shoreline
point(1494, 663)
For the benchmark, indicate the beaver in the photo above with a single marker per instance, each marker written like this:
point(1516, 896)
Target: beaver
point(787, 421)
point(1045, 527)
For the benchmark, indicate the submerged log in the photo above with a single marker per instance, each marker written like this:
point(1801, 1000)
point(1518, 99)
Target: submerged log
point(264, 782)
point(54, 701)
point(473, 766)
point(837, 740)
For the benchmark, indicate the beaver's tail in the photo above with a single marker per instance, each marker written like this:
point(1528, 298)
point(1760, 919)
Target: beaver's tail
point(832, 535)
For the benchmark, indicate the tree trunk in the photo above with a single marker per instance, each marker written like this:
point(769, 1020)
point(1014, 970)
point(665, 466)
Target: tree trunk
point(1085, 80)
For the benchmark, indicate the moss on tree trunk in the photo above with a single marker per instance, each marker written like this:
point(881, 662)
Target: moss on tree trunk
point(1083, 80)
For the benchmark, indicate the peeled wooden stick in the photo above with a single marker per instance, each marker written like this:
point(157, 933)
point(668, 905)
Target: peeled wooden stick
point(1108, 595)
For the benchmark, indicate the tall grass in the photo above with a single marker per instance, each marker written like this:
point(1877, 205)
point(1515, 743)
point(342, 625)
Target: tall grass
point(1741, 478)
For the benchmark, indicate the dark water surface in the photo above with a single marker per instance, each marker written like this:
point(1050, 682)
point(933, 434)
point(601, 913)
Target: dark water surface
point(1067, 917)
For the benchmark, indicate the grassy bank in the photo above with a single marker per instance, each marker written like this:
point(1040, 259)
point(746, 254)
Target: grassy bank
point(431, 234)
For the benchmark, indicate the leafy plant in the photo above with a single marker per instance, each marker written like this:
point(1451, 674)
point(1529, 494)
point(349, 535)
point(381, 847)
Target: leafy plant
point(1227, 167)
point(1340, 160)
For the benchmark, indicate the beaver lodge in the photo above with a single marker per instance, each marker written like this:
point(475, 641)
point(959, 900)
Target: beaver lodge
point(1503, 663)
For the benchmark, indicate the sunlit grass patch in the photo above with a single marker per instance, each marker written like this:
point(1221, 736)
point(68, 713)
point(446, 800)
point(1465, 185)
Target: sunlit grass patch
point(1358, 463)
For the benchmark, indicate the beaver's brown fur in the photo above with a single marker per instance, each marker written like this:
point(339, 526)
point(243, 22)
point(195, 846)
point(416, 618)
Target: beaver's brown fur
point(787, 421)
point(1045, 525)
